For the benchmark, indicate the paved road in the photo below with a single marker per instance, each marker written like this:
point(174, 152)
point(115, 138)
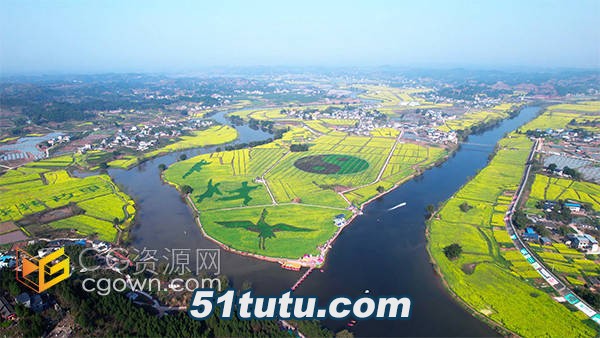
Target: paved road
point(538, 265)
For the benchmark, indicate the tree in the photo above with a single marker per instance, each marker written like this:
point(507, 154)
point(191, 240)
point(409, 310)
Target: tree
point(465, 207)
point(103, 166)
point(571, 172)
point(540, 229)
point(32, 325)
point(162, 167)
point(564, 230)
point(344, 334)
point(298, 147)
point(520, 219)
point(453, 251)
point(182, 157)
point(430, 208)
point(592, 298)
point(552, 167)
point(380, 189)
point(13, 288)
point(186, 189)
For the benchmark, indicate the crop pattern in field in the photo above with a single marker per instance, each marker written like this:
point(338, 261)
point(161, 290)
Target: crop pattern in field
point(28, 191)
point(299, 189)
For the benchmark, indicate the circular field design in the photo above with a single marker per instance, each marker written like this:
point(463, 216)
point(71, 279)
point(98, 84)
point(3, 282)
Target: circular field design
point(331, 164)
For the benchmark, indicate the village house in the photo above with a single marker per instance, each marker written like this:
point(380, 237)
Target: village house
point(7, 312)
point(583, 242)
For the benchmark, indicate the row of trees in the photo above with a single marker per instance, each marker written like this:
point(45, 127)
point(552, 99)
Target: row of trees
point(552, 167)
point(299, 147)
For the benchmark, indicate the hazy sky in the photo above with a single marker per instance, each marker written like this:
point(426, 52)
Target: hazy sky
point(173, 36)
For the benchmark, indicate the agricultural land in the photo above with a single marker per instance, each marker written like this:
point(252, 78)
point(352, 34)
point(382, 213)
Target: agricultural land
point(491, 276)
point(298, 193)
point(47, 201)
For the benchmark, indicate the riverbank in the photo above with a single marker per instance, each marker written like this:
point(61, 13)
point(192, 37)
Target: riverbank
point(485, 277)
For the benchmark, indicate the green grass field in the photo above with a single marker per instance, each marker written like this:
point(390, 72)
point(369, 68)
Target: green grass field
point(497, 282)
point(27, 191)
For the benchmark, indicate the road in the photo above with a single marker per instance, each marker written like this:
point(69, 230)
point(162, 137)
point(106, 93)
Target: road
point(387, 160)
point(537, 264)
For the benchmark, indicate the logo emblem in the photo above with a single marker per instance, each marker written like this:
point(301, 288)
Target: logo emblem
point(40, 274)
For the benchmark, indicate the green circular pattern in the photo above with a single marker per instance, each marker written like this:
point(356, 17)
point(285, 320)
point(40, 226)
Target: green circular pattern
point(331, 164)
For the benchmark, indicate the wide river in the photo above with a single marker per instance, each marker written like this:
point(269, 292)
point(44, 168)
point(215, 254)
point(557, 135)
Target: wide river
point(381, 251)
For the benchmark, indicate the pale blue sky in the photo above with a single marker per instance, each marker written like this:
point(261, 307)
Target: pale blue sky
point(174, 36)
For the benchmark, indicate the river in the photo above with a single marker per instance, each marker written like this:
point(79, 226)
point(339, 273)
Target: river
point(381, 251)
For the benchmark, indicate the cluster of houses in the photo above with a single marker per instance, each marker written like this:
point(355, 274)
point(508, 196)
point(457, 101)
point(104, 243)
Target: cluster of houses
point(579, 240)
point(142, 138)
point(438, 136)
point(339, 220)
point(422, 127)
point(548, 206)
point(568, 135)
point(366, 119)
point(37, 302)
point(582, 242)
point(60, 139)
point(478, 102)
point(577, 143)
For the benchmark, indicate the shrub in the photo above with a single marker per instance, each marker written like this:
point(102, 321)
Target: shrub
point(452, 251)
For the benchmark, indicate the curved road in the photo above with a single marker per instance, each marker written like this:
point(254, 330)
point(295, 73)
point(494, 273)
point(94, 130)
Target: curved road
point(538, 265)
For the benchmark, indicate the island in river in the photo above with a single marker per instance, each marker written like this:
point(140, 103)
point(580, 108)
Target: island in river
point(287, 201)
